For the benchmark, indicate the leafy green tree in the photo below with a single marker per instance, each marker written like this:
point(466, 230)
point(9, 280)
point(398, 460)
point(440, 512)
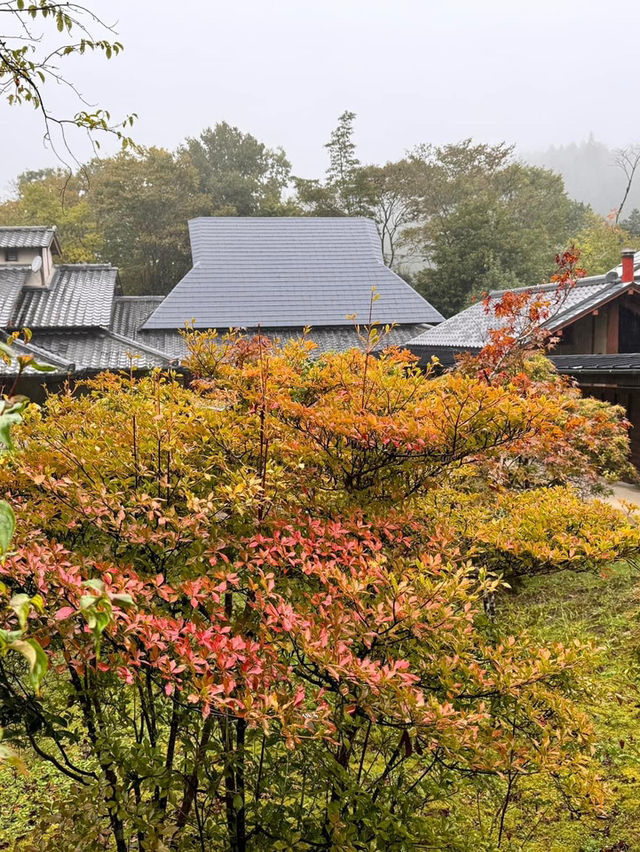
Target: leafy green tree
point(389, 194)
point(600, 243)
point(344, 192)
point(383, 193)
point(239, 175)
point(485, 222)
point(632, 223)
point(142, 203)
point(55, 197)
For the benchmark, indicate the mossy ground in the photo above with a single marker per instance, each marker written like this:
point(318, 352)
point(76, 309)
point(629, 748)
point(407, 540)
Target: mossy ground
point(599, 609)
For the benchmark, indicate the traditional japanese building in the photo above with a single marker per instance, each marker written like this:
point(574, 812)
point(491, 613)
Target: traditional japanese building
point(598, 325)
point(276, 275)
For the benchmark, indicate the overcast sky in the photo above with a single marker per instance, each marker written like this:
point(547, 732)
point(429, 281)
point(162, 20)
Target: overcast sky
point(533, 73)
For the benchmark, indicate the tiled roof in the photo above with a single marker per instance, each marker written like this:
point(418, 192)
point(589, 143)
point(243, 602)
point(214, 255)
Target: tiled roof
point(41, 356)
point(11, 280)
point(622, 361)
point(98, 349)
point(327, 338)
point(130, 312)
point(79, 296)
point(287, 272)
point(470, 328)
point(26, 237)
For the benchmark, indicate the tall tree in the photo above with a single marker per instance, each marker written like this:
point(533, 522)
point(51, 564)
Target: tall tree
point(383, 193)
point(343, 192)
point(485, 222)
point(239, 175)
point(142, 203)
point(55, 197)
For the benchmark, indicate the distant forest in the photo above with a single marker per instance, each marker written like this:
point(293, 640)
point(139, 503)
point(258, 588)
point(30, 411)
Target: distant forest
point(454, 220)
point(590, 174)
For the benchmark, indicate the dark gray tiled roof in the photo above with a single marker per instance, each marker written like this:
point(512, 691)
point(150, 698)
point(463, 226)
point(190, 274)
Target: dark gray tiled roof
point(327, 338)
point(470, 328)
point(79, 296)
point(40, 355)
point(26, 237)
point(130, 312)
point(446, 355)
point(597, 363)
point(287, 272)
point(98, 349)
point(11, 280)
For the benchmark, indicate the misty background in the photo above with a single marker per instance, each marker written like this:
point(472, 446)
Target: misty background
point(555, 78)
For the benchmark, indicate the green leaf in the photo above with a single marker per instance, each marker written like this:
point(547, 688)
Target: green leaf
point(87, 601)
point(42, 368)
point(7, 420)
point(7, 527)
point(21, 605)
point(36, 657)
point(123, 598)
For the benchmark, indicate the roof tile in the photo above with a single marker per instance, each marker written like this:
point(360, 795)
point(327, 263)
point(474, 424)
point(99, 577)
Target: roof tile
point(79, 296)
point(287, 272)
point(470, 328)
point(11, 280)
point(26, 237)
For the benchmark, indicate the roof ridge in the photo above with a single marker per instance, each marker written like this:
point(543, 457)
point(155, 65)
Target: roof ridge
point(579, 282)
point(134, 343)
point(27, 227)
point(84, 266)
point(124, 298)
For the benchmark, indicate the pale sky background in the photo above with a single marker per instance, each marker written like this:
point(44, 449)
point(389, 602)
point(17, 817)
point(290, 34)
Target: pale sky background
point(533, 73)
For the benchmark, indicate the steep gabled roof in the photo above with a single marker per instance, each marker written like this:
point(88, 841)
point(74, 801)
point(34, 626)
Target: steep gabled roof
point(79, 296)
point(31, 237)
point(287, 272)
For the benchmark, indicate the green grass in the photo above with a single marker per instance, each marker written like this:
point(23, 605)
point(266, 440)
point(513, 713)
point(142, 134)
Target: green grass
point(602, 610)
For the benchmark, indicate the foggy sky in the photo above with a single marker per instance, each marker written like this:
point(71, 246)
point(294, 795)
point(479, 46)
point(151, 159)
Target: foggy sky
point(533, 73)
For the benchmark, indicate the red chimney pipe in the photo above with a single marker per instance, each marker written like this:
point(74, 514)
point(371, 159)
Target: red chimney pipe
point(628, 266)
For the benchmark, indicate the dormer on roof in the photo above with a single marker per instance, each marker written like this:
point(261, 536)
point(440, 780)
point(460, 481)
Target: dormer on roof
point(30, 250)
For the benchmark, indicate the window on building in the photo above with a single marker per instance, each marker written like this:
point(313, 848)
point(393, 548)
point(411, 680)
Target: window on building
point(10, 254)
point(628, 331)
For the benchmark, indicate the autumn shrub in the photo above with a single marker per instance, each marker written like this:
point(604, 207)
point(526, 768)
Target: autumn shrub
point(263, 627)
